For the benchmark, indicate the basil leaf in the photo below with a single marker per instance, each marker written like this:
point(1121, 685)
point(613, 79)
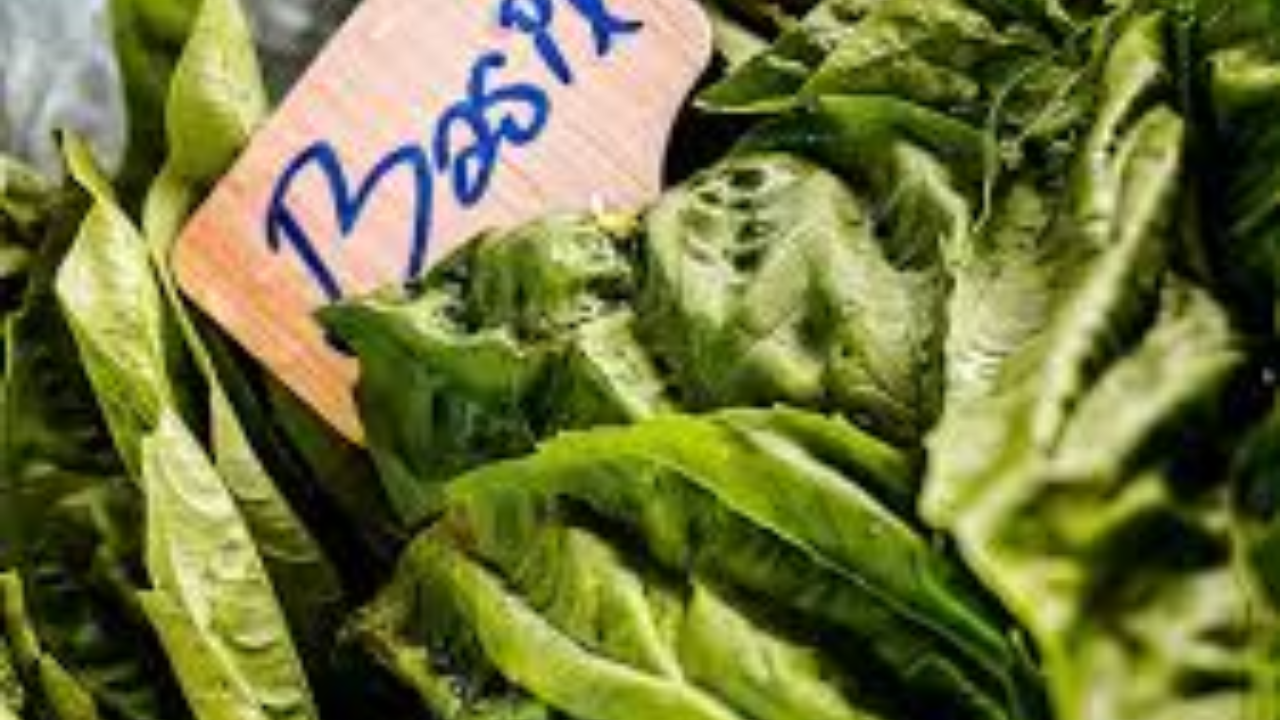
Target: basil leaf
point(213, 604)
point(175, 369)
point(771, 79)
point(216, 96)
point(116, 312)
point(144, 387)
point(149, 36)
point(595, 551)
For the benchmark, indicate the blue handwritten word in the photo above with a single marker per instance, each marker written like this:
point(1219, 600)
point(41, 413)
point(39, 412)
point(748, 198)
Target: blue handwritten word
point(465, 144)
point(283, 229)
point(605, 26)
point(473, 165)
point(533, 18)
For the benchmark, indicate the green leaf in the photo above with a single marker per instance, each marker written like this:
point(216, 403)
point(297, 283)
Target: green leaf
point(734, 41)
point(1256, 471)
point(1174, 629)
point(214, 688)
point(115, 309)
point(1052, 529)
point(1008, 277)
point(770, 80)
point(132, 355)
point(63, 499)
point(213, 603)
point(52, 439)
point(510, 338)
point(595, 551)
point(1102, 257)
point(215, 101)
point(1116, 297)
point(149, 35)
point(81, 579)
point(56, 692)
point(765, 281)
point(1072, 462)
point(13, 696)
point(25, 200)
point(127, 325)
point(215, 86)
point(532, 653)
point(931, 53)
point(216, 98)
point(348, 477)
point(1243, 186)
point(996, 63)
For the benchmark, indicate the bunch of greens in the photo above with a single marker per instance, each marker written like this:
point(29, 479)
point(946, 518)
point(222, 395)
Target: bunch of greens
point(941, 383)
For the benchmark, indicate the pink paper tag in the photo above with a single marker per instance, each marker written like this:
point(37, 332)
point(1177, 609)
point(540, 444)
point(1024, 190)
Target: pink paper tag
point(421, 124)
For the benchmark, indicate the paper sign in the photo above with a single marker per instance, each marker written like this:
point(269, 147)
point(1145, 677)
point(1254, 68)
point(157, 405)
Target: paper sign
point(423, 123)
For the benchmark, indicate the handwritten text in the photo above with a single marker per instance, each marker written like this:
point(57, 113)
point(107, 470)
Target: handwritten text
point(464, 145)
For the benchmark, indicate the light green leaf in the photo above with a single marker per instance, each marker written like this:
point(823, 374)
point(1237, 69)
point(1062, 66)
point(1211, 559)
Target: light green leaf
point(1243, 189)
point(765, 281)
point(1054, 530)
point(598, 547)
point(216, 97)
point(161, 375)
point(206, 568)
point(213, 689)
point(215, 101)
point(114, 307)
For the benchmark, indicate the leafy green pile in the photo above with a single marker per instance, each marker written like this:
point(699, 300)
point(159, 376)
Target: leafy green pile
point(758, 281)
point(719, 567)
point(942, 383)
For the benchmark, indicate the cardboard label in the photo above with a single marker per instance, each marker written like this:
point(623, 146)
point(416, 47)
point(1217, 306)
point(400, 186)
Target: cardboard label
point(421, 124)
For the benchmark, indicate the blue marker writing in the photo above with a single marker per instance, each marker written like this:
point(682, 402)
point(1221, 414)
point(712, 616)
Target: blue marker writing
point(533, 18)
point(465, 143)
point(605, 26)
point(284, 229)
point(491, 116)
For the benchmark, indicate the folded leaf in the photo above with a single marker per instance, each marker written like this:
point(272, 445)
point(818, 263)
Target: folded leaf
point(614, 573)
point(771, 79)
point(1102, 255)
point(173, 368)
point(115, 309)
point(213, 604)
point(1052, 529)
point(215, 101)
point(1007, 65)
